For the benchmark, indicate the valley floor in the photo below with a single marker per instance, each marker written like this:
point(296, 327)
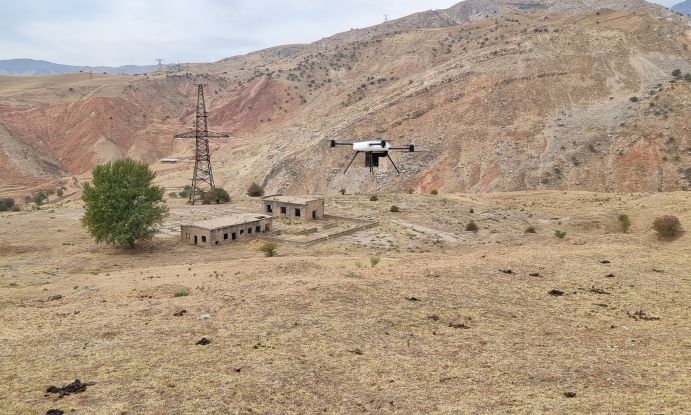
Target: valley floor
point(447, 322)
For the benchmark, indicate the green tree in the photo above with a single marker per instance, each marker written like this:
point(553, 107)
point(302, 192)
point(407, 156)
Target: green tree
point(123, 205)
point(186, 192)
point(216, 195)
point(40, 198)
point(6, 204)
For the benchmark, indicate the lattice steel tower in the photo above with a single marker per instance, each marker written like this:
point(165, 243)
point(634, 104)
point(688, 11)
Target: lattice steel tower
point(203, 179)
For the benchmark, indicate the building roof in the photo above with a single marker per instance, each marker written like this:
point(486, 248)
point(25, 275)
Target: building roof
point(293, 200)
point(227, 221)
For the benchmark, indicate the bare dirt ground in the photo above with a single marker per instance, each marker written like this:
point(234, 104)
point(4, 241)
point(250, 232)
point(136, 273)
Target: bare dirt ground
point(435, 327)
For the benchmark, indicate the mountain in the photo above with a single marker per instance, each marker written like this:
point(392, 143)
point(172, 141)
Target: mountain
point(684, 7)
point(500, 95)
point(30, 67)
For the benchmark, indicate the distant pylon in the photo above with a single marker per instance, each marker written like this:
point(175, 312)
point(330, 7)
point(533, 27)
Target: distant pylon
point(203, 179)
point(160, 64)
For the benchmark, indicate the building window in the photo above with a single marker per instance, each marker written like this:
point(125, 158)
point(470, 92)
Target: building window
point(249, 231)
point(225, 236)
point(267, 227)
point(269, 209)
point(297, 213)
point(242, 231)
point(284, 210)
point(314, 214)
point(203, 239)
point(258, 229)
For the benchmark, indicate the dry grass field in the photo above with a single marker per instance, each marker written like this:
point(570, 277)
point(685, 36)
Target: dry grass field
point(434, 327)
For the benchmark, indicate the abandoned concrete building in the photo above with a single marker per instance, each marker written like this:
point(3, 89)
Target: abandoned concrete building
point(307, 208)
point(226, 229)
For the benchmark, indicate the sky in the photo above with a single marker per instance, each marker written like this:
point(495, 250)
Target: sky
point(120, 32)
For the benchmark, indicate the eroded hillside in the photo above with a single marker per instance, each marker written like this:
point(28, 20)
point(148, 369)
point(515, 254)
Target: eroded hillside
point(497, 95)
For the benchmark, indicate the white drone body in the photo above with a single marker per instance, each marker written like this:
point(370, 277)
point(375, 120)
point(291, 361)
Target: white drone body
point(372, 146)
point(373, 150)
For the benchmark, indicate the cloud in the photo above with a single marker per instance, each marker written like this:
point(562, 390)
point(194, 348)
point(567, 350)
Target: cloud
point(118, 32)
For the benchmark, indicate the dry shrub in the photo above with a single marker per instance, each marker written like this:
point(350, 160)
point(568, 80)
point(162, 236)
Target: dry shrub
point(667, 226)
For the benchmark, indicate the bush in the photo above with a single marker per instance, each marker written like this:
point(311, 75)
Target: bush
point(374, 261)
point(123, 205)
point(633, 99)
point(676, 73)
point(394, 209)
point(624, 222)
point(559, 234)
point(6, 204)
point(40, 198)
point(343, 191)
point(373, 198)
point(216, 195)
point(530, 229)
point(268, 248)
point(60, 192)
point(255, 190)
point(434, 192)
point(187, 191)
point(667, 226)
point(182, 293)
point(471, 227)
point(172, 195)
point(687, 77)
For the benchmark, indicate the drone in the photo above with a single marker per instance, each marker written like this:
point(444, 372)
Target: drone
point(374, 150)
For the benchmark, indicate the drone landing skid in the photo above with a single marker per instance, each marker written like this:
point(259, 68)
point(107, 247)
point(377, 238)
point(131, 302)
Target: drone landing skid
point(372, 161)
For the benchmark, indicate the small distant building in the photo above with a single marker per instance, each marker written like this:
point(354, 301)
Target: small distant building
point(307, 208)
point(224, 230)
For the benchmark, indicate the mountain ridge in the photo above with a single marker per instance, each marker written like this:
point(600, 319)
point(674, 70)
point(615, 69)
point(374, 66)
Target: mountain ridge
point(34, 67)
point(519, 100)
point(684, 7)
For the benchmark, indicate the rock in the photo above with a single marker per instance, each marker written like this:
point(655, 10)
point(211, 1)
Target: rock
point(570, 394)
point(204, 317)
point(203, 342)
point(535, 274)
point(507, 271)
point(180, 313)
point(556, 293)
point(55, 412)
point(55, 297)
point(414, 299)
point(75, 387)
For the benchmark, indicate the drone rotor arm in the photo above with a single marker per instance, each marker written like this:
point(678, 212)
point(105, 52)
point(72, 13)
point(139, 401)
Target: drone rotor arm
point(410, 148)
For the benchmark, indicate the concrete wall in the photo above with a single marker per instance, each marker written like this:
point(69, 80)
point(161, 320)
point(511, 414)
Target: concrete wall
point(230, 234)
point(309, 211)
